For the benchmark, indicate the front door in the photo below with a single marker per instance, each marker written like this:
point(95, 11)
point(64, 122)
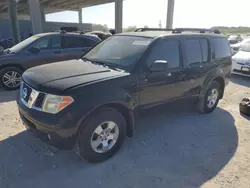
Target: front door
point(49, 51)
point(159, 87)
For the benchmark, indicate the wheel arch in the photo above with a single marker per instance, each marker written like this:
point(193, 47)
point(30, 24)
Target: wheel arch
point(125, 111)
point(221, 81)
point(11, 65)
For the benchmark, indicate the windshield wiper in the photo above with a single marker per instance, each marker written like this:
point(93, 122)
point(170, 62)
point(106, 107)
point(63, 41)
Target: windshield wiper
point(102, 63)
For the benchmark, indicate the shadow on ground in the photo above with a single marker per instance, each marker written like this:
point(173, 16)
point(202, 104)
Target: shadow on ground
point(241, 80)
point(7, 96)
point(169, 149)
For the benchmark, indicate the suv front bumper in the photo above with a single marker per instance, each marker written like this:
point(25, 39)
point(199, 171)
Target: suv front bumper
point(54, 129)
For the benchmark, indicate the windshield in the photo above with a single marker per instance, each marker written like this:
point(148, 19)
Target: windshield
point(245, 48)
point(233, 37)
point(23, 44)
point(119, 51)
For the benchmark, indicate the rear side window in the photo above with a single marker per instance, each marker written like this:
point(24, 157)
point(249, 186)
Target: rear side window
point(166, 50)
point(77, 42)
point(221, 47)
point(49, 43)
point(56, 42)
point(204, 49)
point(194, 53)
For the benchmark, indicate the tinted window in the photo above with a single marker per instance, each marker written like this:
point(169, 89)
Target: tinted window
point(43, 44)
point(166, 50)
point(194, 54)
point(56, 42)
point(221, 47)
point(49, 43)
point(204, 48)
point(77, 42)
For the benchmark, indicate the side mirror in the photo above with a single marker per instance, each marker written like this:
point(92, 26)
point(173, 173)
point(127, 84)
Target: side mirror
point(159, 66)
point(34, 50)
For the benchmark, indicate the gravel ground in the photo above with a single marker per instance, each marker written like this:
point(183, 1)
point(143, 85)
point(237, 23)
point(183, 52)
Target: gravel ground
point(169, 149)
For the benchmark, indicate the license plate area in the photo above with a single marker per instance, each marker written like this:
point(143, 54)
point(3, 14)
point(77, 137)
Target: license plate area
point(245, 69)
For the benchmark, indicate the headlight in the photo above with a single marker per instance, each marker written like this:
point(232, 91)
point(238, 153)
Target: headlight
point(54, 104)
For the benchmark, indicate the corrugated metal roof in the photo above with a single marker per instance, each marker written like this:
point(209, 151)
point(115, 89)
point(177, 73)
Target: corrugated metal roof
point(51, 6)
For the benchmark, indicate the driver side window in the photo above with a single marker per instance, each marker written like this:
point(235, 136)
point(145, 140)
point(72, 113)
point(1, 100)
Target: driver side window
point(167, 50)
point(43, 44)
point(49, 43)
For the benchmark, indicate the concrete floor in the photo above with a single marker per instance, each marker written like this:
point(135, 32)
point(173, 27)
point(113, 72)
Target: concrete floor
point(169, 149)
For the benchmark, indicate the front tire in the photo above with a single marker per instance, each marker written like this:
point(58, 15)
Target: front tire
point(10, 78)
point(211, 98)
point(101, 136)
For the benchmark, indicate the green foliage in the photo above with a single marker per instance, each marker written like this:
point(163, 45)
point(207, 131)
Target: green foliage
point(99, 27)
point(130, 29)
point(233, 30)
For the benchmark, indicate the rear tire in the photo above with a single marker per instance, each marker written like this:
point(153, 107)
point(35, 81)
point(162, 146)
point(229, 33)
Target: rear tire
point(95, 147)
point(211, 98)
point(10, 78)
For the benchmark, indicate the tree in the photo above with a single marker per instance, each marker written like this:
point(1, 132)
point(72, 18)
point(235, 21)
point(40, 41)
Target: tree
point(99, 27)
point(130, 28)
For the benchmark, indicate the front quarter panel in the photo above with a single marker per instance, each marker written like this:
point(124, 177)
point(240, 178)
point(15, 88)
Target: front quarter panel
point(122, 91)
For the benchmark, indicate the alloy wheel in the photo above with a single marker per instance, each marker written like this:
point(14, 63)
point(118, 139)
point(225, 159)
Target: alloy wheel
point(212, 98)
point(104, 137)
point(11, 79)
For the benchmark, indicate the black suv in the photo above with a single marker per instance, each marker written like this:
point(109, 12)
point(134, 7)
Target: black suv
point(42, 49)
point(90, 103)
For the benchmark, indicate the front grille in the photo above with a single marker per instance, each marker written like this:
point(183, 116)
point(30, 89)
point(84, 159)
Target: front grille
point(31, 98)
point(240, 63)
point(26, 91)
point(39, 100)
point(242, 72)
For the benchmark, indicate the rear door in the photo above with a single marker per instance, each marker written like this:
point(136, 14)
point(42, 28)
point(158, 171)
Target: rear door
point(194, 50)
point(76, 46)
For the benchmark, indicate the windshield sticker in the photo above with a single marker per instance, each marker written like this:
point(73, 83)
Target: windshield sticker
point(141, 42)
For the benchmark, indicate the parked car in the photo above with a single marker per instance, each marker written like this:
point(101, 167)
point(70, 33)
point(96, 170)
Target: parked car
point(90, 103)
point(241, 61)
point(41, 49)
point(235, 47)
point(101, 35)
point(233, 39)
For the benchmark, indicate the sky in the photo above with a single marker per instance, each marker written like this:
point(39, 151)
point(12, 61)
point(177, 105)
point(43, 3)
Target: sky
point(187, 13)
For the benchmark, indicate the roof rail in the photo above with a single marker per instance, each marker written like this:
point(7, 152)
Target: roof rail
point(60, 31)
point(180, 30)
point(63, 31)
point(201, 30)
point(152, 29)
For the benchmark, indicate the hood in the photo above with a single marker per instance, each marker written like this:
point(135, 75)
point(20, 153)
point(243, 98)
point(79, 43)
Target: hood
point(241, 56)
point(58, 77)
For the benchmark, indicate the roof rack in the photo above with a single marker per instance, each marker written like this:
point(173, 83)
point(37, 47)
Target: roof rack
point(152, 29)
point(180, 30)
point(201, 30)
point(60, 31)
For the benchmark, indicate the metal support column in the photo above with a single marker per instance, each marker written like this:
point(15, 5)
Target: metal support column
point(35, 16)
point(12, 8)
point(80, 15)
point(170, 14)
point(118, 15)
